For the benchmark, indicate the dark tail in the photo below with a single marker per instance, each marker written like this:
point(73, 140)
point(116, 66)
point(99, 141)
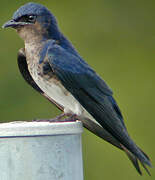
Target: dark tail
point(134, 160)
point(102, 133)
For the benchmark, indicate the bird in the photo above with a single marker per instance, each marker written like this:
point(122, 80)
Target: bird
point(53, 67)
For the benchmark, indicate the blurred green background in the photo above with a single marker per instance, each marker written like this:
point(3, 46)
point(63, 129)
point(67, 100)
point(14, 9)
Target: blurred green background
point(117, 38)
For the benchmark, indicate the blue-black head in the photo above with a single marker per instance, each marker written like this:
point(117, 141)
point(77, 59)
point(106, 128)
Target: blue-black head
point(34, 19)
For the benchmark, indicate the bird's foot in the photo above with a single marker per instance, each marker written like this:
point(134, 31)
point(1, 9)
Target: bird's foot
point(71, 117)
point(59, 118)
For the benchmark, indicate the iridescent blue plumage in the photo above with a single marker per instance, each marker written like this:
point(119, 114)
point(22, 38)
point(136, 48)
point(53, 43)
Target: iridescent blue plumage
point(92, 93)
point(52, 56)
point(33, 9)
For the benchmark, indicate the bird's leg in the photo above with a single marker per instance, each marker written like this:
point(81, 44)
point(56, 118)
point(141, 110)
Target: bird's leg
point(71, 117)
point(59, 118)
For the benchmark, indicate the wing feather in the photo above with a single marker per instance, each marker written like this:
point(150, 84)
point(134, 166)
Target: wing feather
point(93, 94)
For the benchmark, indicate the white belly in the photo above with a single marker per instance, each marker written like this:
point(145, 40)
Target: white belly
point(54, 89)
point(60, 95)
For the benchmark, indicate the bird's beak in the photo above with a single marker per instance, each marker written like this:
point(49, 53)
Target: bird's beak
point(13, 24)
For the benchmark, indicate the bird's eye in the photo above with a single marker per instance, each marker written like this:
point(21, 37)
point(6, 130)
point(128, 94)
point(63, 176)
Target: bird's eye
point(31, 18)
point(27, 18)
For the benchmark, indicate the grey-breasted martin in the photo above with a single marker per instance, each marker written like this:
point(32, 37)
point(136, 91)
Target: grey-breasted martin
point(52, 66)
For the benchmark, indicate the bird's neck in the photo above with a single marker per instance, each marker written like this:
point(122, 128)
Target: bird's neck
point(55, 34)
point(34, 46)
point(32, 50)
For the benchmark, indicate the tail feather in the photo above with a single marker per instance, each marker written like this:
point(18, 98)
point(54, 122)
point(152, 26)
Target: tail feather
point(145, 168)
point(146, 156)
point(134, 160)
point(144, 164)
point(147, 159)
